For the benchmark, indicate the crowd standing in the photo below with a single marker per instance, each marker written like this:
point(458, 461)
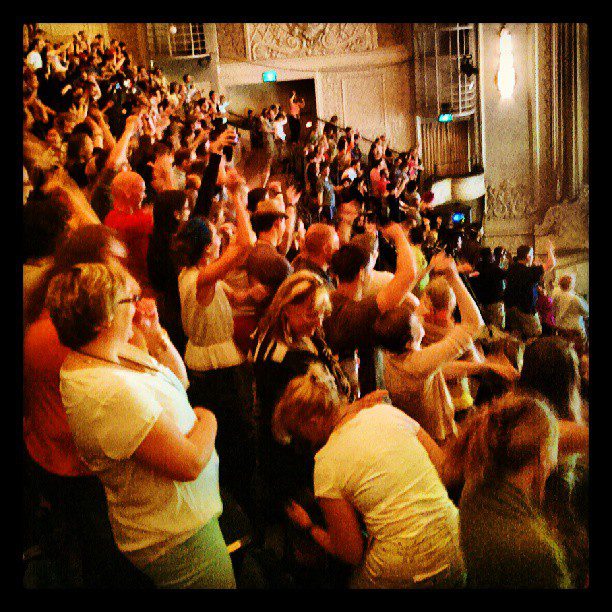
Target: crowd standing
point(386, 402)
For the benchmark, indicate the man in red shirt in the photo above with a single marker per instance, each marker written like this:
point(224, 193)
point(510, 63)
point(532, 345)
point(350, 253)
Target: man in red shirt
point(133, 223)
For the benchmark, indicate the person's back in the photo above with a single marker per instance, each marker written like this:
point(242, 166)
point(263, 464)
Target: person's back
point(490, 284)
point(376, 460)
point(521, 288)
point(133, 229)
point(570, 309)
point(506, 542)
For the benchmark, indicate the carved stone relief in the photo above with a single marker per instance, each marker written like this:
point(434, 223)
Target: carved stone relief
point(567, 223)
point(509, 200)
point(286, 40)
point(230, 37)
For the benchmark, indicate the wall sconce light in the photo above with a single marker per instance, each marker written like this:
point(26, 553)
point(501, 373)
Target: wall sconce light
point(173, 29)
point(506, 75)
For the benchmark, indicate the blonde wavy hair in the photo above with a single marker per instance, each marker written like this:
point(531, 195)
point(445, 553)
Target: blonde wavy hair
point(83, 299)
point(296, 289)
point(308, 397)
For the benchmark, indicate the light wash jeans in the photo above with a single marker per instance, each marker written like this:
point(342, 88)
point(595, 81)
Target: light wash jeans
point(201, 562)
point(433, 562)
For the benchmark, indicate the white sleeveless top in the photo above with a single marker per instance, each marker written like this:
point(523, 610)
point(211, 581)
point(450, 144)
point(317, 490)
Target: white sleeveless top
point(210, 329)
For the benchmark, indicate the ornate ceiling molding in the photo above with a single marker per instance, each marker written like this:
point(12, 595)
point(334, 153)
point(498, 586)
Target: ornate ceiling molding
point(286, 40)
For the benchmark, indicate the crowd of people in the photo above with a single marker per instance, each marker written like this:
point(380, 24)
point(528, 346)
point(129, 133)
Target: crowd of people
point(322, 356)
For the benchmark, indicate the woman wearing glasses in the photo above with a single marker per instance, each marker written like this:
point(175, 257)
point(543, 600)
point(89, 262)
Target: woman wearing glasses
point(135, 429)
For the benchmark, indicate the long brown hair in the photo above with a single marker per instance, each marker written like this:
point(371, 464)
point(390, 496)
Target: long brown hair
point(504, 437)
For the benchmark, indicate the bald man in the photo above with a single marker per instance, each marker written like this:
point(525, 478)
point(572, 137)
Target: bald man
point(132, 223)
point(320, 243)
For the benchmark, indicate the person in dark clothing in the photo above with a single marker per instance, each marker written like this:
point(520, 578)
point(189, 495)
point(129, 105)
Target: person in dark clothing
point(287, 340)
point(171, 207)
point(350, 328)
point(489, 286)
point(522, 292)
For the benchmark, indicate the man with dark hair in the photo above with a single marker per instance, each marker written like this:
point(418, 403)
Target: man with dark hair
point(349, 328)
point(326, 193)
point(522, 292)
point(264, 263)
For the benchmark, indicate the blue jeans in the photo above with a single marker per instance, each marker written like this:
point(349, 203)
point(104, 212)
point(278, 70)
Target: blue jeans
point(201, 562)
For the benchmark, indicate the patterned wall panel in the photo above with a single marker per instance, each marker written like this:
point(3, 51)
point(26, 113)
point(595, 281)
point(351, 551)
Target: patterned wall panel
point(286, 40)
point(230, 37)
point(509, 200)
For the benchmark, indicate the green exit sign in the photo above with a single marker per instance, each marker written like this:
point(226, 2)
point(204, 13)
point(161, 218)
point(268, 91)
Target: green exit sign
point(269, 76)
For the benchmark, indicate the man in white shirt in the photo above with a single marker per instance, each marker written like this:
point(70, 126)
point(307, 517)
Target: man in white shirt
point(33, 59)
point(569, 308)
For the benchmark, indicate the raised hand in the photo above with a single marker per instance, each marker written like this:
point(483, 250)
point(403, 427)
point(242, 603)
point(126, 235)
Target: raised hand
point(292, 195)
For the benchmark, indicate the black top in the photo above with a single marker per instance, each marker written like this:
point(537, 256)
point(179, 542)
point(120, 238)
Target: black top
point(489, 284)
point(286, 470)
point(522, 287)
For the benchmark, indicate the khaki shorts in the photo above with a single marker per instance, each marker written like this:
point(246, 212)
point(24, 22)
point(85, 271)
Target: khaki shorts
point(525, 325)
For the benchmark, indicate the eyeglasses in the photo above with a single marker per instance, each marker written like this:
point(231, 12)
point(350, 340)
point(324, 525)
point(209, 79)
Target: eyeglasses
point(134, 299)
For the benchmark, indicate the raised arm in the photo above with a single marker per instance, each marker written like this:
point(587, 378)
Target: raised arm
point(393, 293)
point(211, 174)
point(118, 155)
point(234, 255)
point(73, 197)
point(291, 196)
point(471, 319)
point(551, 260)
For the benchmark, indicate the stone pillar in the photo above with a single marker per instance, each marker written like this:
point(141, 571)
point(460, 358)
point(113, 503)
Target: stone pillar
point(212, 47)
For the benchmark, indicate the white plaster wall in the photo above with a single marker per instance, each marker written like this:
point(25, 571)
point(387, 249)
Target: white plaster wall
point(62, 32)
point(508, 133)
point(368, 90)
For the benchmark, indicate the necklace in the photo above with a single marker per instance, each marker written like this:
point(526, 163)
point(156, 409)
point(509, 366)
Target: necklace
point(135, 363)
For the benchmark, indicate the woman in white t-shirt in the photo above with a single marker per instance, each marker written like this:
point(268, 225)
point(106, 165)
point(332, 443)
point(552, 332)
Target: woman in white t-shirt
point(219, 375)
point(375, 465)
point(135, 429)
